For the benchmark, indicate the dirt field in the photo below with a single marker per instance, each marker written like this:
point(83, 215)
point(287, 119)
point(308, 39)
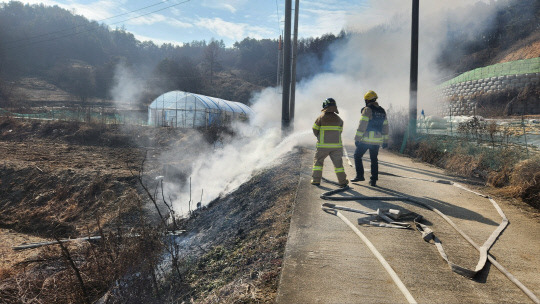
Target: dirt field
point(68, 179)
point(53, 184)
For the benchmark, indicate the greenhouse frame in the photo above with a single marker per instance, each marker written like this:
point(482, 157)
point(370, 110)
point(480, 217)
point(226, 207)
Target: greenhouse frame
point(188, 110)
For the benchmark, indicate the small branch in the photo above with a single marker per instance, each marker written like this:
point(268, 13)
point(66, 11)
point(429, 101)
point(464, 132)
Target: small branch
point(189, 203)
point(171, 210)
point(87, 238)
point(152, 198)
point(67, 256)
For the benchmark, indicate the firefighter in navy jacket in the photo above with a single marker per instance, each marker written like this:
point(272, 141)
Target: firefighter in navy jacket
point(371, 134)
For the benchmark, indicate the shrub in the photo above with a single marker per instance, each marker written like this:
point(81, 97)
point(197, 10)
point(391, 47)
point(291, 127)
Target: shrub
point(397, 125)
point(525, 181)
point(500, 167)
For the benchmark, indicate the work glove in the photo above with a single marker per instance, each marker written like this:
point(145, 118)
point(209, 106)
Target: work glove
point(385, 146)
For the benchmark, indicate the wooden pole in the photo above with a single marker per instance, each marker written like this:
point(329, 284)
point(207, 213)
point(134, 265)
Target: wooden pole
point(413, 92)
point(285, 107)
point(294, 54)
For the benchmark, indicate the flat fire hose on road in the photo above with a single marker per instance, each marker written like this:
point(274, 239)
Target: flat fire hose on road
point(427, 234)
point(384, 263)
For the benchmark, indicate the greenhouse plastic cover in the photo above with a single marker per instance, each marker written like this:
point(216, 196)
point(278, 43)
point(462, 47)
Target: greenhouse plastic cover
point(181, 100)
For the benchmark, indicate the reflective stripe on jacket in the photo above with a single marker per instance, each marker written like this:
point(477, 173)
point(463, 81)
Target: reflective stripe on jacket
point(370, 131)
point(327, 128)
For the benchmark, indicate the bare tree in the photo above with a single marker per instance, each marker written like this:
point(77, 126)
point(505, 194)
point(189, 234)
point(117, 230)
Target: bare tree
point(211, 57)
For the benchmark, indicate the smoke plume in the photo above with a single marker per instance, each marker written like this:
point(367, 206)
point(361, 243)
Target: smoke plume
point(128, 88)
point(376, 56)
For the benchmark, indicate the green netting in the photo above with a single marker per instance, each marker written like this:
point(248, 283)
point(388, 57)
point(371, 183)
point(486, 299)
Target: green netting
point(525, 66)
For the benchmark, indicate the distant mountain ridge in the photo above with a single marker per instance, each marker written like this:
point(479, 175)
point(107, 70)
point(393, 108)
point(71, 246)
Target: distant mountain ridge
point(81, 57)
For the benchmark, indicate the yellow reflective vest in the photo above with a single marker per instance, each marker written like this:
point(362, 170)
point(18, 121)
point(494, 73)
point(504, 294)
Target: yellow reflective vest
point(327, 128)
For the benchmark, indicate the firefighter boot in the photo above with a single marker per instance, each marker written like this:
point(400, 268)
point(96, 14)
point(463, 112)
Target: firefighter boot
point(345, 184)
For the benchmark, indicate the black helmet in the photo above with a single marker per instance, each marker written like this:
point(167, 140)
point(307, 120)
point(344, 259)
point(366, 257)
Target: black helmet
point(329, 102)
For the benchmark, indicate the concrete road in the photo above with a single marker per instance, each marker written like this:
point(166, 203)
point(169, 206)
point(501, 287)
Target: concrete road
point(326, 262)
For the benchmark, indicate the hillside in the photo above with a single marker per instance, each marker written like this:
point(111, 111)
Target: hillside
point(511, 34)
point(526, 48)
point(87, 59)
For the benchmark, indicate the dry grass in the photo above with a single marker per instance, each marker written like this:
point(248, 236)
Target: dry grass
point(57, 179)
point(430, 153)
point(499, 179)
point(8, 257)
point(501, 165)
point(78, 180)
point(48, 276)
point(462, 164)
point(523, 181)
point(398, 124)
point(500, 168)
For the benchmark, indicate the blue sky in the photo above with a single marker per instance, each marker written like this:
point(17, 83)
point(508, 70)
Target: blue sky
point(180, 21)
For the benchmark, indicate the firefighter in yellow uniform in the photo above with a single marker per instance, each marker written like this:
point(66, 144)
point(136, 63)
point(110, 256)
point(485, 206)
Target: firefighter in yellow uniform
point(372, 133)
point(327, 128)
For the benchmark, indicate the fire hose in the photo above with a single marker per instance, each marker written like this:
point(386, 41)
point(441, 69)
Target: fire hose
point(392, 216)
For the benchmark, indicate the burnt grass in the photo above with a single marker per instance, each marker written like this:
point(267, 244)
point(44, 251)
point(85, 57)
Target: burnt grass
point(72, 179)
point(233, 250)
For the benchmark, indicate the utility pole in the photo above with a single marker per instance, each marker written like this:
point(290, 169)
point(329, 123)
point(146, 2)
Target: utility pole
point(280, 62)
point(294, 54)
point(413, 91)
point(285, 107)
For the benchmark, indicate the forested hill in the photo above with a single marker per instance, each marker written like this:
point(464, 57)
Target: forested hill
point(81, 56)
point(513, 33)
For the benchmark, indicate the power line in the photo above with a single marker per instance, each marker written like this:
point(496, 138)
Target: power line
point(277, 12)
point(75, 27)
point(92, 29)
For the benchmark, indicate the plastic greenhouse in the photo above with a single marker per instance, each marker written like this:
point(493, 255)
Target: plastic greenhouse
point(188, 110)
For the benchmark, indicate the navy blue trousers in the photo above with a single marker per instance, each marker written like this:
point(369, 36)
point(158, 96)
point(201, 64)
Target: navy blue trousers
point(361, 149)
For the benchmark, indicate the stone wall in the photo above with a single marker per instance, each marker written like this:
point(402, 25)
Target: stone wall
point(460, 98)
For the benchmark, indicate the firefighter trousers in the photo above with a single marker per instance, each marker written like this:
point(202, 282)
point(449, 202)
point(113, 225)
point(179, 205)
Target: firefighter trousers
point(336, 155)
point(361, 149)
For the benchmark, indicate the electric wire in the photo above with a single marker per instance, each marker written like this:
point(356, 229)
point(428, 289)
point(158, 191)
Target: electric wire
point(92, 29)
point(277, 14)
point(77, 26)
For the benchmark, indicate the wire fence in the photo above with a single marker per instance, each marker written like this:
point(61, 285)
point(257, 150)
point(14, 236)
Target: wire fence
point(519, 135)
point(90, 114)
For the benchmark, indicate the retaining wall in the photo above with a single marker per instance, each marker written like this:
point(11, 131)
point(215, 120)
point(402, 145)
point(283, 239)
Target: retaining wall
point(460, 93)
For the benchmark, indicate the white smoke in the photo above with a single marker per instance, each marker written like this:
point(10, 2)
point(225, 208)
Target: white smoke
point(219, 171)
point(376, 57)
point(128, 88)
